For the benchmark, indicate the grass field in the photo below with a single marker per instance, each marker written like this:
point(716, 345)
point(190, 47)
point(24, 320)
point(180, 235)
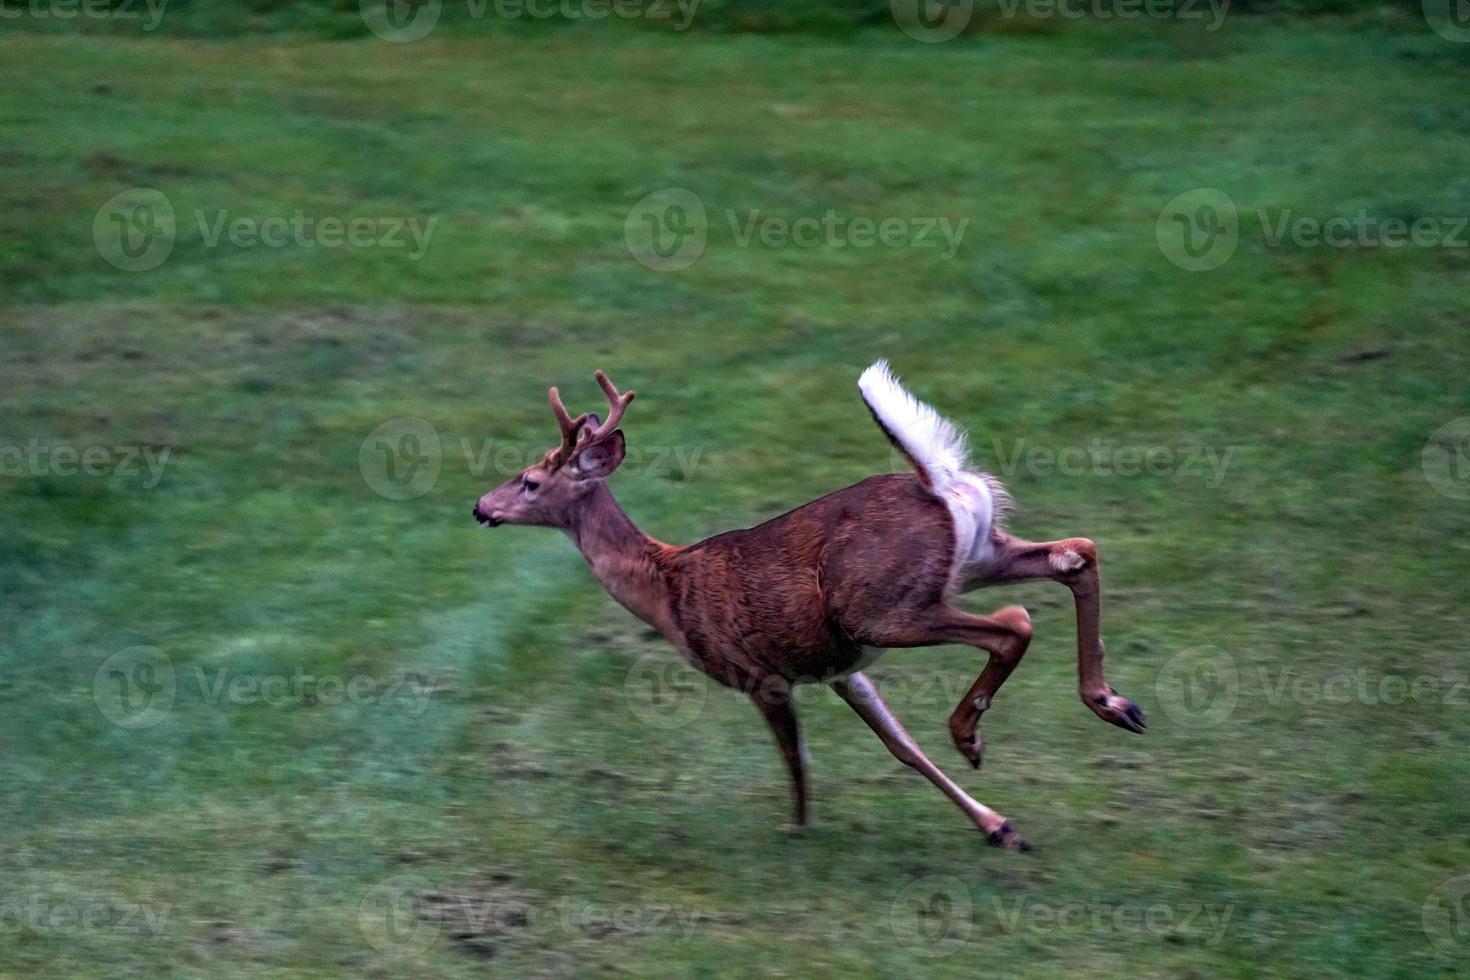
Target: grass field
point(261, 717)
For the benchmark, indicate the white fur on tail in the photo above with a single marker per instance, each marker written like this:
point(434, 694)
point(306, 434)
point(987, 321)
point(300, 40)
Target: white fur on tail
point(926, 437)
point(937, 449)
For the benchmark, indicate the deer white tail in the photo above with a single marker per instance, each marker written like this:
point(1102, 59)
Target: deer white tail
point(936, 448)
point(932, 443)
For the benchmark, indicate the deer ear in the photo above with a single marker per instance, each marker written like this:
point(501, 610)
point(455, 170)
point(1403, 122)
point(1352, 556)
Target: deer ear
point(597, 461)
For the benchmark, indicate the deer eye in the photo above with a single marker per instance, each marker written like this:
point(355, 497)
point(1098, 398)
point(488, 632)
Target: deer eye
point(530, 485)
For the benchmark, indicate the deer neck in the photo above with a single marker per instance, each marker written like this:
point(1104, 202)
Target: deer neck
point(622, 557)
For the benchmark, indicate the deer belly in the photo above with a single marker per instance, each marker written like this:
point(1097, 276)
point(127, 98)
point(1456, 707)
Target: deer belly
point(822, 666)
point(867, 656)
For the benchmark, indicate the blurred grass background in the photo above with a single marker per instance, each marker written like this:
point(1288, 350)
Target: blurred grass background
point(263, 835)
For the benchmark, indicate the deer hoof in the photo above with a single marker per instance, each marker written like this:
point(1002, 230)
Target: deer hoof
point(972, 747)
point(1005, 836)
point(1117, 710)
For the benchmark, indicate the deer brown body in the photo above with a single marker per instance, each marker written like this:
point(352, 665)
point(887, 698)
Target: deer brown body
point(811, 595)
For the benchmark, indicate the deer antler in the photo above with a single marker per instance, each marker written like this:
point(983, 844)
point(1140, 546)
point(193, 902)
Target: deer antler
point(567, 424)
point(575, 433)
point(617, 404)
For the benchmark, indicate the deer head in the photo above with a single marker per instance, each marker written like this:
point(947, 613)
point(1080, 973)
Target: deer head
point(547, 494)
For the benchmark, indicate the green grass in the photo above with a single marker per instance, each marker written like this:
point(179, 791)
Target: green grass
point(256, 834)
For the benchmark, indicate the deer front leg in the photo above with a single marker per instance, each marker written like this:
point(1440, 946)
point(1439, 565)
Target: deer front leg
point(780, 714)
point(1073, 562)
point(858, 691)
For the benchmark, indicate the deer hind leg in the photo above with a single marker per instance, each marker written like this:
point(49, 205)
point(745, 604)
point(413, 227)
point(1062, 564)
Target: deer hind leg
point(780, 714)
point(1004, 635)
point(858, 691)
point(1072, 562)
point(1006, 643)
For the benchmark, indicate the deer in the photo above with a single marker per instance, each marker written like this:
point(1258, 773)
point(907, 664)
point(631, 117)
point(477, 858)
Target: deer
point(820, 592)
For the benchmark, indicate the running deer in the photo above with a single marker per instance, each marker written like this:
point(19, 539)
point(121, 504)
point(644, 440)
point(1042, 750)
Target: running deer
point(818, 593)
